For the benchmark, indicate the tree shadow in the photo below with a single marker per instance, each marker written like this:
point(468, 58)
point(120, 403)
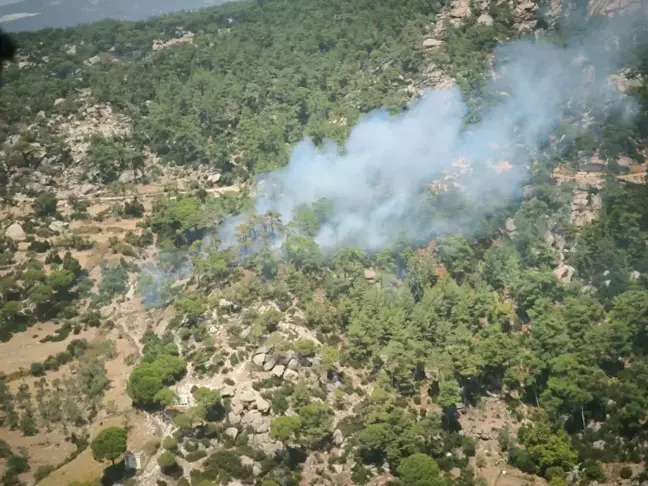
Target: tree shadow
point(116, 473)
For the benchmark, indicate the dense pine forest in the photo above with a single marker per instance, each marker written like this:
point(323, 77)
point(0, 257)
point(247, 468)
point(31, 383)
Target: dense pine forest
point(167, 319)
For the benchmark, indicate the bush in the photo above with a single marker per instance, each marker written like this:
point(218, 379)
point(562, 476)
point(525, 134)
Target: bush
point(468, 446)
point(167, 461)
point(37, 369)
point(191, 446)
point(195, 456)
point(45, 204)
point(625, 473)
point(170, 443)
point(44, 471)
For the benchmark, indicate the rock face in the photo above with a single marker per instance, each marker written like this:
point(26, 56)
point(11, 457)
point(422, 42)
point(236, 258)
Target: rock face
point(338, 438)
point(564, 272)
point(485, 19)
point(585, 208)
point(259, 359)
point(431, 43)
point(57, 226)
point(278, 370)
point(16, 233)
point(262, 405)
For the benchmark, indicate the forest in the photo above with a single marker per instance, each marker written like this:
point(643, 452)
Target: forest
point(395, 345)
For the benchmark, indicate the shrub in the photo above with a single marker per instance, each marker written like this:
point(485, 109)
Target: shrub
point(195, 455)
point(625, 473)
point(44, 471)
point(170, 443)
point(468, 446)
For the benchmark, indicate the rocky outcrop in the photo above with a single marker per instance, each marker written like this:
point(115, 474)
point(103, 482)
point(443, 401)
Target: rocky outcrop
point(585, 208)
point(610, 8)
point(16, 233)
point(431, 43)
point(564, 272)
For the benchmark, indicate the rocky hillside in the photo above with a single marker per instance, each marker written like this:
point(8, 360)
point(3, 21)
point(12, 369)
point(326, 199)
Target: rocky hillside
point(164, 321)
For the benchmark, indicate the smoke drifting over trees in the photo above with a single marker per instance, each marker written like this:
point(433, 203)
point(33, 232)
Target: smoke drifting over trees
point(376, 186)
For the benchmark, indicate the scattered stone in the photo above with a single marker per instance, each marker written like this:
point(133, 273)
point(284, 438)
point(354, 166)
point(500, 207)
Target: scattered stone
point(127, 177)
point(290, 375)
point(549, 238)
point(16, 233)
point(87, 189)
point(262, 405)
point(338, 438)
point(260, 427)
point(564, 272)
point(247, 396)
point(214, 178)
point(370, 274)
point(270, 363)
point(599, 445)
point(58, 226)
point(234, 418)
point(279, 370)
point(58, 101)
point(247, 461)
point(227, 391)
point(259, 359)
point(257, 469)
point(485, 19)
point(509, 225)
point(93, 60)
point(293, 364)
point(251, 417)
point(231, 432)
point(431, 43)
point(262, 350)
point(236, 407)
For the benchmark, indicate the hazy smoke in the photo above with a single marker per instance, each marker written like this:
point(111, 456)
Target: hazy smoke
point(377, 183)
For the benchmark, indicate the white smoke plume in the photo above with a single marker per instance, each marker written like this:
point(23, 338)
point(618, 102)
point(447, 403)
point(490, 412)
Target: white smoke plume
point(378, 182)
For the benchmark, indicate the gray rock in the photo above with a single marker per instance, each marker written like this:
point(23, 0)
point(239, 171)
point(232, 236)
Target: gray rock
point(270, 363)
point(58, 226)
point(293, 364)
point(214, 178)
point(338, 438)
point(247, 461)
point(261, 427)
point(87, 189)
point(290, 375)
point(485, 19)
point(278, 370)
point(262, 350)
point(262, 405)
point(127, 177)
point(252, 417)
point(257, 469)
point(430, 43)
point(231, 432)
point(227, 391)
point(16, 233)
point(509, 225)
point(247, 396)
point(234, 418)
point(236, 407)
point(549, 238)
point(259, 359)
